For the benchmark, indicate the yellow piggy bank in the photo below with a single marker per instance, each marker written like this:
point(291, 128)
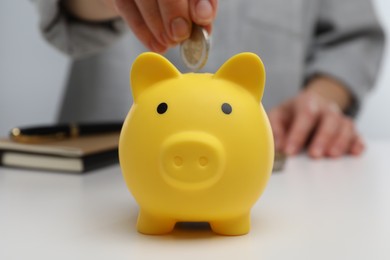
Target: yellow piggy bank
point(196, 147)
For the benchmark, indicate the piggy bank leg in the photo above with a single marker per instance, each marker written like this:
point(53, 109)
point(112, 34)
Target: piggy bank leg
point(153, 225)
point(232, 227)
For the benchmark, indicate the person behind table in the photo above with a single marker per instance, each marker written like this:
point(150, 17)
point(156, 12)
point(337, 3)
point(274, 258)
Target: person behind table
point(321, 58)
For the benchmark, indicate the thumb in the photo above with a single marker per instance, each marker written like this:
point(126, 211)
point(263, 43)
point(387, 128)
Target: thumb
point(203, 12)
point(279, 121)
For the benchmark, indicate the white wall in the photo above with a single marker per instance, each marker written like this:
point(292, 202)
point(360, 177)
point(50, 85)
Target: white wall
point(374, 121)
point(32, 74)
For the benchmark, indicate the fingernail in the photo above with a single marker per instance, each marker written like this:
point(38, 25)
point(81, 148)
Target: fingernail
point(180, 29)
point(204, 10)
point(317, 152)
point(290, 149)
point(357, 150)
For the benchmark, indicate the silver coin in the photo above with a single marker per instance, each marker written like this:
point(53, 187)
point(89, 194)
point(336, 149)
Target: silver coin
point(195, 50)
point(279, 162)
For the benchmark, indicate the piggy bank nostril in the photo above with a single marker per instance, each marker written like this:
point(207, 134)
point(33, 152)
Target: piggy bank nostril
point(203, 161)
point(178, 161)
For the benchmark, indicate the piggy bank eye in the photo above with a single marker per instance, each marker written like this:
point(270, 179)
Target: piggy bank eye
point(162, 108)
point(226, 108)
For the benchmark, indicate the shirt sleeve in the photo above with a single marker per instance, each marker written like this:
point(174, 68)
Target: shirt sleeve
point(72, 36)
point(347, 46)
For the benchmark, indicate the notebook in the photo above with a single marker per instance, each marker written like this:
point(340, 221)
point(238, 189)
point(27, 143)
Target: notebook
point(79, 154)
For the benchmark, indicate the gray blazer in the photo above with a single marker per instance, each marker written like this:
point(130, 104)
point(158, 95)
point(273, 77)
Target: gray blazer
point(296, 39)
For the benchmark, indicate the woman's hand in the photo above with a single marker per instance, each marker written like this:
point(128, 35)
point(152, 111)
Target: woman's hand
point(314, 119)
point(158, 24)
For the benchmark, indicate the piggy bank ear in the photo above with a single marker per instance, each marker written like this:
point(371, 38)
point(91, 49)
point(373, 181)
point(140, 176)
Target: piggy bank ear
point(148, 69)
point(247, 70)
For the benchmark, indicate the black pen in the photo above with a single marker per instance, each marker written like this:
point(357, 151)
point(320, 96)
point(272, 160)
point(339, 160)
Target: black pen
point(38, 134)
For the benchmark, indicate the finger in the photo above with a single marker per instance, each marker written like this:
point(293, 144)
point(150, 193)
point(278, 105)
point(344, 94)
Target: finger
point(325, 133)
point(150, 13)
point(343, 139)
point(305, 118)
point(358, 146)
point(176, 17)
point(278, 121)
point(130, 12)
point(203, 12)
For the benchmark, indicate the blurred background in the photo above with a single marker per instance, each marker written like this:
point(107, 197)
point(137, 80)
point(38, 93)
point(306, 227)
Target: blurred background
point(32, 74)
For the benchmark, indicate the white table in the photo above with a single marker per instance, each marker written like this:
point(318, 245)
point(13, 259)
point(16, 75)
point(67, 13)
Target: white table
point(325, 209)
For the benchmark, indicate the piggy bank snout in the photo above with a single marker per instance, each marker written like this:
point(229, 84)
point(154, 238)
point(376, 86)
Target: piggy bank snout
point(192, 160)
